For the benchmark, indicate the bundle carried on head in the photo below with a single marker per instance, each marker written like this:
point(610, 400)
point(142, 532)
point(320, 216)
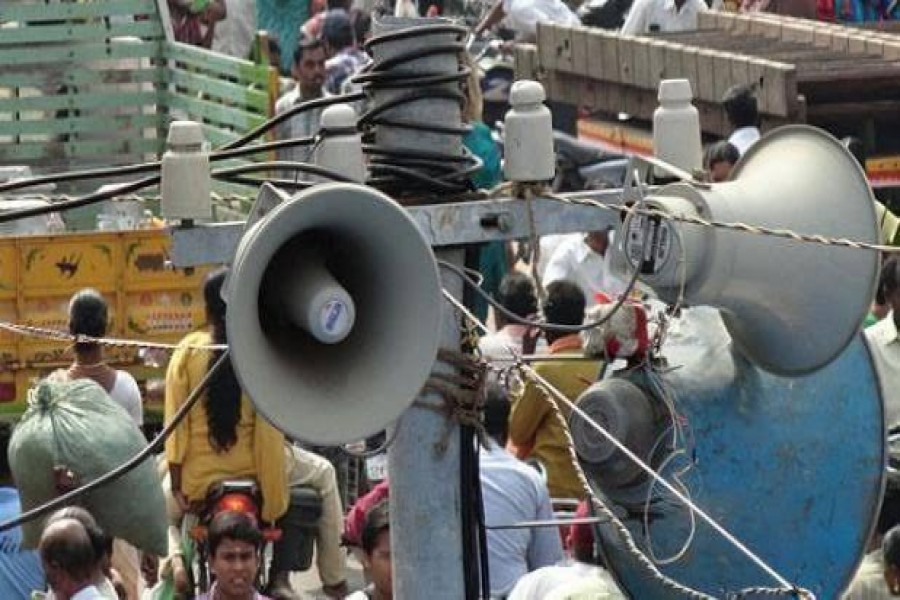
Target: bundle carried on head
point(74, 427)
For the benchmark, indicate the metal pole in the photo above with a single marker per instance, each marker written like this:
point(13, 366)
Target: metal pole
point(426, 526)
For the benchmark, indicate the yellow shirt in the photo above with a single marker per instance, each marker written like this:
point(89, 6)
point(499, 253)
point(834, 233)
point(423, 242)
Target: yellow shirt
point(532, 421)
point(258, 452)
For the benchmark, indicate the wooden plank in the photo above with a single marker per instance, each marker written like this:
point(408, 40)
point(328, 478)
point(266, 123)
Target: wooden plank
point(525, 55)
point(562, 38)
point(77, 76)
point(609, 53)
point(257, 100)
point(689, 67)
point(546, 46)
point(124, 150)
point(596, 41)
point(756, 69)
point(780, 88)
point(78, 53)
point(706, 84)
point(657, 51)
point(822, 37)
point(673, 68)
point(626, 59)
point(73, 125)
point(213, 62)
point(16, 10)
point(722, 76)
point(214, 112)
point(80, 101)
point(580, 50)
point(641, 62)
point(840, 42)
point(803, 34)
point(740, 74)
point(37, 35)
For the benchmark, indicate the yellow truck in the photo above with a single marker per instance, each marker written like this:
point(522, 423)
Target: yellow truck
point(149, 301)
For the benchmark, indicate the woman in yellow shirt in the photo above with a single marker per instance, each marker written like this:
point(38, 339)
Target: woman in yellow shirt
point(222, 436)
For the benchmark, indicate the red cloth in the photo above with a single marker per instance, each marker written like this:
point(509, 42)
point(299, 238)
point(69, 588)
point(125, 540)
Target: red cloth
point(581, 535)
point(356, 517)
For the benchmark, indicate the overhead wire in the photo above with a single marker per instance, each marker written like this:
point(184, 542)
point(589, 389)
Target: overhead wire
point(127, 466)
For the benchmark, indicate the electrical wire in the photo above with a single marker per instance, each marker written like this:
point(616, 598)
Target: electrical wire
point(298, 108)
point(20, 184)
point(283, 165)
point(511, 316)
point(127, 466)
point(383, 447)
point(125, 188)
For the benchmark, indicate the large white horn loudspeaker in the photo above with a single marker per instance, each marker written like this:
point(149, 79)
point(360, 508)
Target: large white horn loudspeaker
point(333, 319)
point(790, 306)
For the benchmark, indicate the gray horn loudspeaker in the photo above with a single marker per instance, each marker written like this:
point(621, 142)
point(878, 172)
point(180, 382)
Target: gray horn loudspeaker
point(334, 307)
point(790, 306)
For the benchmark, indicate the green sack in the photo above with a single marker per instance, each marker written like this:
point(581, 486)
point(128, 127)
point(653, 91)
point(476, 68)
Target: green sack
point(76, 425)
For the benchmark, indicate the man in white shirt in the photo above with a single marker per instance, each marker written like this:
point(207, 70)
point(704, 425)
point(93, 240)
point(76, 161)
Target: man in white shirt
point(649, 16)
point(522, 16)
point(513, 492)
point(587, 261)
point(742, 113)
point(884, 343)
point(308, 71)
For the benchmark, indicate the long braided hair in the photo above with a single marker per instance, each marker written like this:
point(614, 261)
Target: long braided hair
point(223, 395)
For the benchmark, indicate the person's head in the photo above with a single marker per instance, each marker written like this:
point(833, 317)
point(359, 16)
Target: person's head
point(88, 315)
point(234, 544)
point(308, 68)
point(598, 241)
point(564, 305)
point(376, 544)
point(101, 543)
point(343, 5)
point(720, 159)
point(740, 107)
point(337, 31)
point(223, 392)
point(889, 285)
point(891, 549)
point(68, 557)
point(496, 413)
point(518, 295)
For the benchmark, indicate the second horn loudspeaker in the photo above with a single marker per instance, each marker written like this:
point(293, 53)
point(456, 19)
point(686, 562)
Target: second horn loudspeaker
point(790, 306)
point(334, 305)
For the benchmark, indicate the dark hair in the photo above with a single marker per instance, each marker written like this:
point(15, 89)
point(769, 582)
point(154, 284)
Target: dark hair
point(721, 151)
point(496, 412)
point(233, 525)
point(565, 303)
point(223, 394)
point(888, 280)
point(362, 24)
point(306, 44)
point(88, 315)
point(101, 543)
point(337, 29)
point(69, 549)
point(739, 103)
point(6, 431)
point(517, 294)
point(891, 547)
point(338, 5)
point(377, 520)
